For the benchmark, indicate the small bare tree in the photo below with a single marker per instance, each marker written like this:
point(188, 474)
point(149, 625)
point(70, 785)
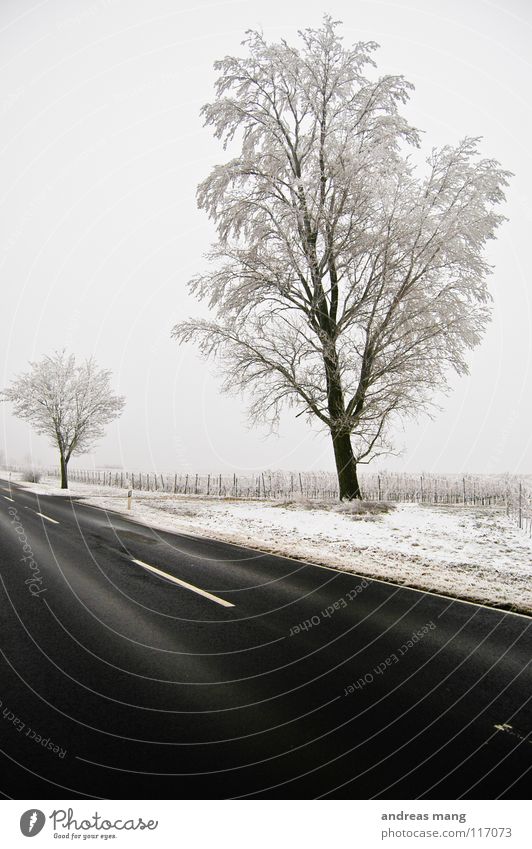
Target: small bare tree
point(70, 403)
point(343, 282)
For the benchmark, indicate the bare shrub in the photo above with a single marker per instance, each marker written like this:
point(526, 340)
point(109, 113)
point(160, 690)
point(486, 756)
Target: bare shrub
point(30, 475)
point(363, 508)
point(354, 509)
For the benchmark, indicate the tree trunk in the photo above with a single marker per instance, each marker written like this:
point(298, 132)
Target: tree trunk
point(64, 475)
point(346, 467)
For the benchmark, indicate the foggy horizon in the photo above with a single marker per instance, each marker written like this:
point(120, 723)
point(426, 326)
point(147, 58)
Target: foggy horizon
point(103, 149)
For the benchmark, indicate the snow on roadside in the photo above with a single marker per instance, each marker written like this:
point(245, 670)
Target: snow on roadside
point(466, 552)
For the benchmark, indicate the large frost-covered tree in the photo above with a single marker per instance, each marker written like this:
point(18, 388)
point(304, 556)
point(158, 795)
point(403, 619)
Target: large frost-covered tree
point(345, 281)
point(67, 402)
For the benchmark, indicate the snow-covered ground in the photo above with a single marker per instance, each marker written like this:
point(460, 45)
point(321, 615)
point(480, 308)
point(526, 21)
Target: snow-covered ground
point(467, 552)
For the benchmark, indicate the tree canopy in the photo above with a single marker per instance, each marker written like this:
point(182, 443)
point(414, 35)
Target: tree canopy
point(68, 402)
point(345, 281)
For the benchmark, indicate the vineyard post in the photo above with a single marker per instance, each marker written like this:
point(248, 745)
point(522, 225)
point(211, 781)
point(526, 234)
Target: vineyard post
point(208, 484)
point(520, 504)
point(422, 489)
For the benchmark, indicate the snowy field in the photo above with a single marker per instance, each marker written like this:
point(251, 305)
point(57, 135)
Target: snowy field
point(466, 552)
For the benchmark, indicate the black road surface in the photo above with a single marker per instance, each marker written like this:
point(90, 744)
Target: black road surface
point(250, 676)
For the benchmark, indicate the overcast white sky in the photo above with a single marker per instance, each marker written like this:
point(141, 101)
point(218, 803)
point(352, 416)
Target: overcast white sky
point(100, 153)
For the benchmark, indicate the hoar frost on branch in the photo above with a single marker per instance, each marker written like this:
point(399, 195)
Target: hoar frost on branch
point(67, 402)
point(343, 283)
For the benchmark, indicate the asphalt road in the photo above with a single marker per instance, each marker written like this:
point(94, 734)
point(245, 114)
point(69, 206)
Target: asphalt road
point(249, 676)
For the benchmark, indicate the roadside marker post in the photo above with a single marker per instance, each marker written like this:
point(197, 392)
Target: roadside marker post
point(129, 496)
